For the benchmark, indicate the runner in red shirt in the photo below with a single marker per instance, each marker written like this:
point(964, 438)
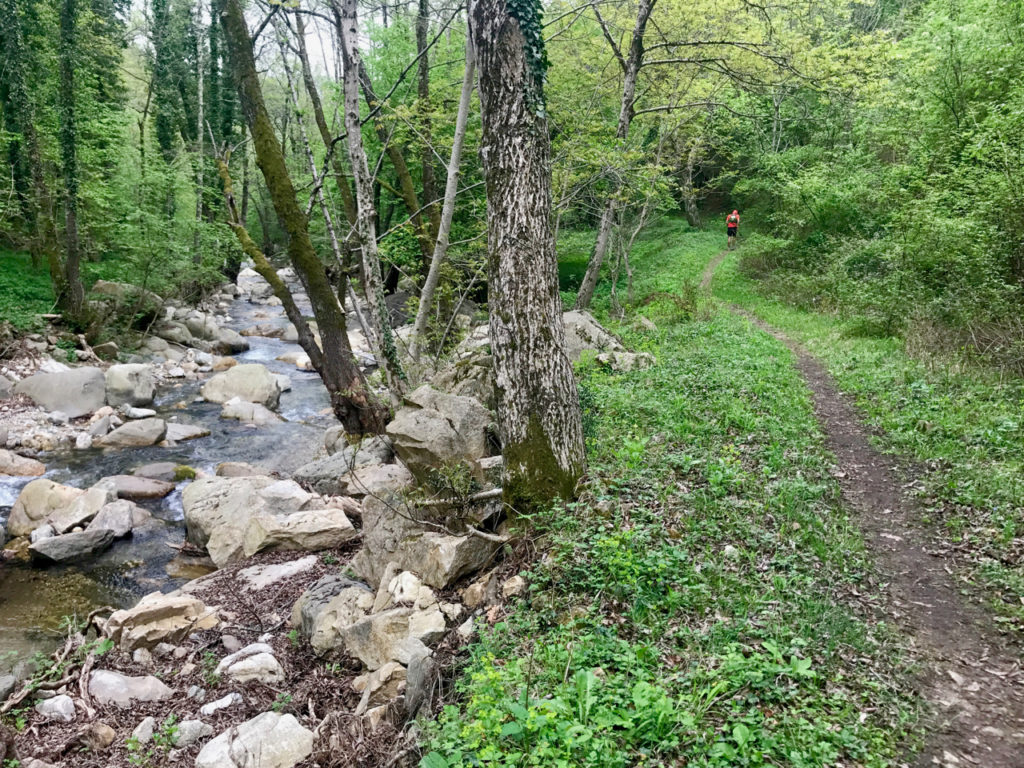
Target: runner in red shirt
point(732, 228)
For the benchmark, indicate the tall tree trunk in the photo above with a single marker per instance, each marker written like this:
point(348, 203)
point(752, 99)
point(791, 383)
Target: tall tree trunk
point(538, 404)
point(688, 190)
point(340, 255)
point(355, 406)
point(373, 284)
point(423, 96)
point(340, 179)
point(630, 66)
point(74, 293)
point(447, 209)
point(197, 254)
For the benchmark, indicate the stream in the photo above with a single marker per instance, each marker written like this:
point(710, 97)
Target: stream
point(34, 600)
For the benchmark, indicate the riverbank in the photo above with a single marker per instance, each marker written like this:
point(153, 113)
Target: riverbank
point(339, 590)
point(709, 600)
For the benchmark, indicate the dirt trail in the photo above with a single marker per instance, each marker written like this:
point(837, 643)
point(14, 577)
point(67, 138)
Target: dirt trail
point(709, 270)
point(971, 674)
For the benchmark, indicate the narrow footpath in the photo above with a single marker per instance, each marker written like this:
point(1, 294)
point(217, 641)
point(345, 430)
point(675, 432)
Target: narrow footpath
point(971, 674)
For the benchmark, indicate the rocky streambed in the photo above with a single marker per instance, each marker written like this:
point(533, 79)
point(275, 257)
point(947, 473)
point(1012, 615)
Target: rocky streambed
point(277, 593)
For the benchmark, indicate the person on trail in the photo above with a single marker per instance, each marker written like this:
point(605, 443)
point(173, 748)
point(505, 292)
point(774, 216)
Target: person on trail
point(732, 228)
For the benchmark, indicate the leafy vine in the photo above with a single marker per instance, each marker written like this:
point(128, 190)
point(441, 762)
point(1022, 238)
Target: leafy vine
point(529, 13)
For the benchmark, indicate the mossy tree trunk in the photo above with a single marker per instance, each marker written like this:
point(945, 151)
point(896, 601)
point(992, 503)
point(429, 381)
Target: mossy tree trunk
point(354, 404)
point(73, 297)
point(538, 404)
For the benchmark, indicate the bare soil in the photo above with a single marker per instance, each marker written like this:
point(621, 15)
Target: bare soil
point(970, 673)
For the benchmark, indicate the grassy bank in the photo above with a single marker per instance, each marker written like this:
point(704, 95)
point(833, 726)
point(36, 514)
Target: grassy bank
point(25, 291)
point(705, 603)
point(964, 427)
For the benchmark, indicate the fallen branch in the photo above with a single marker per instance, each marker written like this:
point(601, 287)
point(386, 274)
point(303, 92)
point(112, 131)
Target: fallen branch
point(494, 493)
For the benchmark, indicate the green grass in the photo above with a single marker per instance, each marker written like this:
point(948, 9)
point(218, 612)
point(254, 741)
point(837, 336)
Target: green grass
point(695, 606)
point(963, 426)
point(24, 292)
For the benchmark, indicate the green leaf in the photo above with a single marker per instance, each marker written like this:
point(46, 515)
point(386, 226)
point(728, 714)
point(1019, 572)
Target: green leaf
point(433, 760)
point(740, 734)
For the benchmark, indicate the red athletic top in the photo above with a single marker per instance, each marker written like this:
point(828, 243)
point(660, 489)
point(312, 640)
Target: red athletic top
point(733, 219)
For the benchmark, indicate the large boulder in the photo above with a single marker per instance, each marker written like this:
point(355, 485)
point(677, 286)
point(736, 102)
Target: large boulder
point(36, 503)
point(397, 634)
point(19, 466)
point(82, 509)
point(249, 413)
point(310, 531)
point(270, 740)
point(236, 517)
point(138, 488)
point(472, 376)
point(158, 618)
point(218, 511)
point(134, 434)
point(437, 430)
point(375, 480)
point(71, 546)
point(325, 475)
point(583, 332)
point(77, 392)
point(391, 536)
point(125, 293)
point(120, 518)
point(229, 342)
point(178, 433)
point(130, 384)
point(331, 604)
point(251, 382)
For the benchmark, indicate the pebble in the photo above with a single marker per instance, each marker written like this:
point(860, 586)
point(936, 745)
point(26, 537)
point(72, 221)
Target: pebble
point(59, 708)
point(142, 656)
point(191, 731)
point(83, 441)
point(58, 417)
point(143, 732)
point(221, 703)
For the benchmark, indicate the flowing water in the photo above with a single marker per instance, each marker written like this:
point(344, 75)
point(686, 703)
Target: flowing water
point(34, 601)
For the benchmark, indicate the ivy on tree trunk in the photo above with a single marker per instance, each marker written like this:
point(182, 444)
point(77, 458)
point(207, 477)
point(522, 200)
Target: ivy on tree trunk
point(538, 404)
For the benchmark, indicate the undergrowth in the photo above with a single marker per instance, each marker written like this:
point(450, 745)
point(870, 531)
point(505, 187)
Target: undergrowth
point(702, 604)
point(964, 426)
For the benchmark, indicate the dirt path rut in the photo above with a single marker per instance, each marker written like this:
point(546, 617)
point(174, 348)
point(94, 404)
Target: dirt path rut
point(972, 675)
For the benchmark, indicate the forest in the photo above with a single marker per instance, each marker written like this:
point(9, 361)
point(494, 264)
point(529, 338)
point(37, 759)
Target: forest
point(744, 502)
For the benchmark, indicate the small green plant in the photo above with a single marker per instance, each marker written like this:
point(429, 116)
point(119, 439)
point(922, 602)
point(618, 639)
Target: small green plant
point(328, 559)
point(161, 743)
point(209, 662)
point(281, 702)
point(184, 472)
point(163, 737)
point(294, 638)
